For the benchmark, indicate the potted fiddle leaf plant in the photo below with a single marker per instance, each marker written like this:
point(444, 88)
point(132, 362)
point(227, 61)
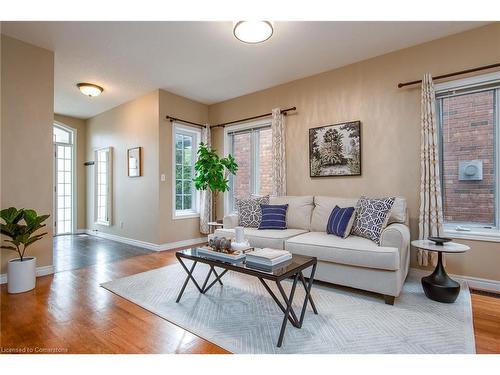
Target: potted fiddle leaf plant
point(212, 173)
point(20, 227)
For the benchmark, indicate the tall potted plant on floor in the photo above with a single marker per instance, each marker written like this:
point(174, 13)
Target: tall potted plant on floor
point(20, 227)
point(212, 173)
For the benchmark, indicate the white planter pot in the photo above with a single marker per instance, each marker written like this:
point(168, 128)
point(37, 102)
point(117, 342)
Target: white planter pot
point(21, 276)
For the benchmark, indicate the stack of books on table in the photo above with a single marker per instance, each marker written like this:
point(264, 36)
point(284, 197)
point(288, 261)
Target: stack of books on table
point(267, 259)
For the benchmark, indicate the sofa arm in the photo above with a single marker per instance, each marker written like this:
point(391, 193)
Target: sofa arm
point(230, 221)
point(398, 235)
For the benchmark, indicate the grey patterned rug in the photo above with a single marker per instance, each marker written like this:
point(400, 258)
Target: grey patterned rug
point(242, 318)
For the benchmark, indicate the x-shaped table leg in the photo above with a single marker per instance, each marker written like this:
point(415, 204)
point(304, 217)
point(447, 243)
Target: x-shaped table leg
point(204, 288)
point(289, 313)
point(289, 309)
point(217, 279)
point(189, 276)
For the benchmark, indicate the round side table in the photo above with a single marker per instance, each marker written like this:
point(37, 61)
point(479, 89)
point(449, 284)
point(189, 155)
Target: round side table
point(438, 286)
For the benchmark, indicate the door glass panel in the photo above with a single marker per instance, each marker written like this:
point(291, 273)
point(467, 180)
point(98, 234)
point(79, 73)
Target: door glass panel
point(63, 176)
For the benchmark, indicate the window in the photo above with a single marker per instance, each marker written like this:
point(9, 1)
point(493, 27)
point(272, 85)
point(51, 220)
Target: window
point(103, 185)
point(467, 112)
point(185, 149)
point(64, 209)
point(251, 146)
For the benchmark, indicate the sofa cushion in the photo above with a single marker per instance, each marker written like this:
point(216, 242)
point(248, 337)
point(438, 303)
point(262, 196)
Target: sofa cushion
point(249, 212)
point(263, 238)
point(398, 211)
point(273, 216)
point(353, 250)
point(323, 206)
point(340, 221)
point(371, 217)
point(299, 211)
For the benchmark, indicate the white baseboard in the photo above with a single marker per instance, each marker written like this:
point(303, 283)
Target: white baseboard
point(40, 271)
point(473, 282)
point(144, 244)
point(128, 241)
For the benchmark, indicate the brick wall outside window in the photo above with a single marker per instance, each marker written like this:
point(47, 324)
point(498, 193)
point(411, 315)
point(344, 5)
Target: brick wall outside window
point(265, 159)
point(242, 154)
point(468, 134)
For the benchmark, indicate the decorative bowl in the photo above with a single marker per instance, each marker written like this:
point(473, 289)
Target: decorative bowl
point(439, 240)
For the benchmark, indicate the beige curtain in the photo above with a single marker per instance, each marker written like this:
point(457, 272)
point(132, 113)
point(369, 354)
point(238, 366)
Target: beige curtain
point(279, 156)
point(205, 195)
point(430, 221)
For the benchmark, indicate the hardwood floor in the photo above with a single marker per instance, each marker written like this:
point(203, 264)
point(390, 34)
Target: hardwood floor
point(82, 250)
point(69, 312)
point(486, 313)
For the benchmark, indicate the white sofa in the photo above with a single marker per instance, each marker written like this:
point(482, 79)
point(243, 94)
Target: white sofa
point(354, 261)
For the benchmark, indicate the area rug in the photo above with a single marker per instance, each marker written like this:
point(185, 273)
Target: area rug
point(242, 318)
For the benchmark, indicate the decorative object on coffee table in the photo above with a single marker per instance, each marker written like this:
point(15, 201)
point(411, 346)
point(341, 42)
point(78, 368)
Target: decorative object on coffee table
point(335, 150)
point(439, 286)
point(292, 270)
point(239, 242)
point(220, 244)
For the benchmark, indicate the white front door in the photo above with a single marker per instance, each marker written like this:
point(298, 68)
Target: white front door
point(63, 181)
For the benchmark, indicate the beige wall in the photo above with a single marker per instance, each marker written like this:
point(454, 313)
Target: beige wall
point(81, 153)
point(27, 86)
point(135, 199)
point(390, 117)
point(143, 204)
point(180, 229)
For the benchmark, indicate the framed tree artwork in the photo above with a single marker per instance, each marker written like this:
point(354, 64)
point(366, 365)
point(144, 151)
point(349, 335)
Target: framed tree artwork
point(134, 162)
point(335, 150)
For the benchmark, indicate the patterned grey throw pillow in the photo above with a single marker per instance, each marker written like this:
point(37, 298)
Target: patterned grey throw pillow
point(371, 217)
point(249, 212)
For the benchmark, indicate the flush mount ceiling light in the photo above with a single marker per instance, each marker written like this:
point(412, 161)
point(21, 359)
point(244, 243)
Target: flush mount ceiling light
point(89, 89)
point(253, 31)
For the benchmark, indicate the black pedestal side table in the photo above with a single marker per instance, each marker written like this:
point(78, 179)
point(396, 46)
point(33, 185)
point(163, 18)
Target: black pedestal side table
point(438, 286)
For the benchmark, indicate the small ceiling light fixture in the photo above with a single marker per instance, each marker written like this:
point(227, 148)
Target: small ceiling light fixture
point(89, 89)
point(253, 31)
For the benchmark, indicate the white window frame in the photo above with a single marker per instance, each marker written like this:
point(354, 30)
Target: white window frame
point(109, 179)
point(74, 140)
point(179, 128)
point(254, 183)
point(474, 231)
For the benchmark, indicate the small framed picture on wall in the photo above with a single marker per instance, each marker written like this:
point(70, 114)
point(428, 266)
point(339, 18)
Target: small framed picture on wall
point(134, 162)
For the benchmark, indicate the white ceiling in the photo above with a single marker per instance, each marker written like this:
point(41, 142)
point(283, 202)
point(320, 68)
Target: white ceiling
point(202, 60)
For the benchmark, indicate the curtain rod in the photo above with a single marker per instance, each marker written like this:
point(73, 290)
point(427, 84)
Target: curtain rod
point(284, 111)
point(172, 119)
point(452, 74)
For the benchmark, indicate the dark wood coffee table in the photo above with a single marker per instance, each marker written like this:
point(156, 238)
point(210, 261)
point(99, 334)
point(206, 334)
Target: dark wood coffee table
point(292, 269)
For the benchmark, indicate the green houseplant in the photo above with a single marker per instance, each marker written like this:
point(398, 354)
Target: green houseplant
point(20, 227)
point(212, 173)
